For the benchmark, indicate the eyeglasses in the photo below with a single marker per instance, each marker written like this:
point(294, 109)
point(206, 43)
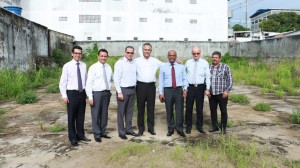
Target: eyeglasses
point(129, 52)
point(77, 53)
point(196, 53)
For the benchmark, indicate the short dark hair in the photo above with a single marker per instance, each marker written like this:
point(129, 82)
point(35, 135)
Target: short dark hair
point(147, 44)
point(103, 50)
point(129, 47)
point(216, 53)
point(76, 47)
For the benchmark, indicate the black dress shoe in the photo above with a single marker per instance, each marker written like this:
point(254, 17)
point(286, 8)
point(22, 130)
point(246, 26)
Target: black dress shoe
point(74, 142)
point(214, 129)
point(170, 133)
point(98, 140)
point(105, 136)
point(223, 131)
point(123, 136)
point(84, 139)
point(181, 133)
point(201, 130)
point(188, 131)
point(132, 133)
point(141, 133)
point(152, 132)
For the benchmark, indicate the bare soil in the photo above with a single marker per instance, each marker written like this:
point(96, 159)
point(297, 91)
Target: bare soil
point(25, 143)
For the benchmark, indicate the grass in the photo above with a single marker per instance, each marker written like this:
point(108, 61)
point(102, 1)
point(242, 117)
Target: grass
point(26, 97)
point(56, 128)
point(54, 88)
point(262, 107)
point(1, 119)
point(295, 117)
point(239, 98)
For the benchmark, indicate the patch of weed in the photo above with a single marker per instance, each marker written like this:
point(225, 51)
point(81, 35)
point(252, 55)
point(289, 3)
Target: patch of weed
point(262, 107)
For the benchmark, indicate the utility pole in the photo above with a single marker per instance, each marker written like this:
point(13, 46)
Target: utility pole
point(246, 13)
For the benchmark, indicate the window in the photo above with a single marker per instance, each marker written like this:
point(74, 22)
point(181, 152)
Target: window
point(168, 1)
point(89, 18)
point(135, 38)
point(143, 0)
point(193, 21)
point(63, 18)
point(193, 1)
point(168, 20)
point(89, 38)
point(186, 39)
point(117, 19)
point(108, 38)
point(143, 19)
point(89, 0)
point(161, 39)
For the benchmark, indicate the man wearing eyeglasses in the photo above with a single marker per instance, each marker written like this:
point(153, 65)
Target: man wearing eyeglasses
point(72, 89)
point(125, 82)
point(198, 78)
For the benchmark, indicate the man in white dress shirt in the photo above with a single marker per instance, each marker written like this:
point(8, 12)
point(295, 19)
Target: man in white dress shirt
point(72, 89)
point(198, 78)
point(125, 82)
point(98, 87)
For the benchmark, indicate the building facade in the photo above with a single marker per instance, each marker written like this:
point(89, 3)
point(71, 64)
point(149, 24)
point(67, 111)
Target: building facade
point(96, 20)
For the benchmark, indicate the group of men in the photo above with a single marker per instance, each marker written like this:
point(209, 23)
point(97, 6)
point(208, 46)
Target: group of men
point(137, 77)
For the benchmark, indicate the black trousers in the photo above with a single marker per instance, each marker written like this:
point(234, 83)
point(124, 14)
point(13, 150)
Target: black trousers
point(76, 113)
point(174, 97)
point(214, 101)
point(194, 93)
point(145, 94)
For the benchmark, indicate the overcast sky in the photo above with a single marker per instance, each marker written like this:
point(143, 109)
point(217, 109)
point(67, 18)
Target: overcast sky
point(238, 8)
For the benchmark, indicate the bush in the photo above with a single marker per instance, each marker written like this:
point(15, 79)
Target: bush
point(56, 128)
point(26, 97)
point(295, 117)
point(262, 107)
point(53, 88)
point(59, 57)
point(239, 98)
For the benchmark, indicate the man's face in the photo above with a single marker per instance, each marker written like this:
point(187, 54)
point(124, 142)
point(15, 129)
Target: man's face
point(147, 51)
point(102, 57)
point(172, 56)
point(77, 54)
point(215, 60)
point(196, 54)
point(129, 53)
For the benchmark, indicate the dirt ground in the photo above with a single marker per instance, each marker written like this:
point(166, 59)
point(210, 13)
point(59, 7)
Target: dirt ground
point(25, 144)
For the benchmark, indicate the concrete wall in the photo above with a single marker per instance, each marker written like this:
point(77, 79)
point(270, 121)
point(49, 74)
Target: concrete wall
point(61, 41)
point(159, 48)
point(287, 47)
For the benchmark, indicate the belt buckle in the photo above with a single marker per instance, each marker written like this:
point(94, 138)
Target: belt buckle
point(195, 85)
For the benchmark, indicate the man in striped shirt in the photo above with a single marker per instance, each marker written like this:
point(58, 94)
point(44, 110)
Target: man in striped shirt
point(221, 84)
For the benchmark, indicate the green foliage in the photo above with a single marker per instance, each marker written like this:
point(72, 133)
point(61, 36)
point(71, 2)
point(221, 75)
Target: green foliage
point(56, 128)
point(295, 117)
point(239, 98)
point(1, 119)
point(262, 107)
point(282, 22)
point(239, 27)
point(26, 97)
point(53, 88)
point(280, 94)
point(60, 58)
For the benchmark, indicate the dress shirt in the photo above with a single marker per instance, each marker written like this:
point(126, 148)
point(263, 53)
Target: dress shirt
point(165, 76)
point(125, 74)
point(221, 79)
point(95, 79)
point(202, 72)
point(146, 68)
point(69, 80)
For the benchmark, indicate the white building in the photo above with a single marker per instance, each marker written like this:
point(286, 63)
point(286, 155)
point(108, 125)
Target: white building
point(4, 3)
point(192, 20)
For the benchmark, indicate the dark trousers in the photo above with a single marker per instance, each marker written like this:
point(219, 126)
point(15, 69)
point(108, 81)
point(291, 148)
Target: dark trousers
point(99, 112)
point(194, 93)
point(145, 94)
point(125, 109)
point(76, 113)
point(214, 101)
point(174, 97)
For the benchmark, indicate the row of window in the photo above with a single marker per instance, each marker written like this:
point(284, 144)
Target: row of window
point(136, 38)
point(167, 1)
point(259, 20)
point(97, 19)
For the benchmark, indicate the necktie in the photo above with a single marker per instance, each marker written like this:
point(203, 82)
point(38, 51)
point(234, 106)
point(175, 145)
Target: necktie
point(105, 78)
point(80, 89)
point(195, 73)
point(173, 76)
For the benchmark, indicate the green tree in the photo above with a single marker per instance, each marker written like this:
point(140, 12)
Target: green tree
point(239, 27)
point(282, 22)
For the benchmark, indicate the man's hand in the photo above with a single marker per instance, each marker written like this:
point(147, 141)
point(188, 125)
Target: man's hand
point(225, 94)
point(120, 96)
point(65, 100)
point(184, 93)
point(162, 98)
point(207, 93)
point(91, 102)
point(179, 61)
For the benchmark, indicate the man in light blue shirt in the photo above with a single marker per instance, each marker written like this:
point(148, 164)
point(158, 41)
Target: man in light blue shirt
point(172, 90)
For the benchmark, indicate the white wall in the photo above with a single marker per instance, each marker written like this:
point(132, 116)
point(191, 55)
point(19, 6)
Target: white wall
point(211, 16)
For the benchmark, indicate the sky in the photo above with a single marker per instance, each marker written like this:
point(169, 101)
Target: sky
point(238, 8)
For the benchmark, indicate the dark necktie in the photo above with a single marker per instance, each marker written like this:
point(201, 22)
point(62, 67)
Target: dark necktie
point(173, 76)
point(80, 89)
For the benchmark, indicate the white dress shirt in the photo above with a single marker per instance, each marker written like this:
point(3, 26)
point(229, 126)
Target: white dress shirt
point(146, 69)
point(95, 79)
point(202, 72)
point(125, 74)
point(69, 80)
